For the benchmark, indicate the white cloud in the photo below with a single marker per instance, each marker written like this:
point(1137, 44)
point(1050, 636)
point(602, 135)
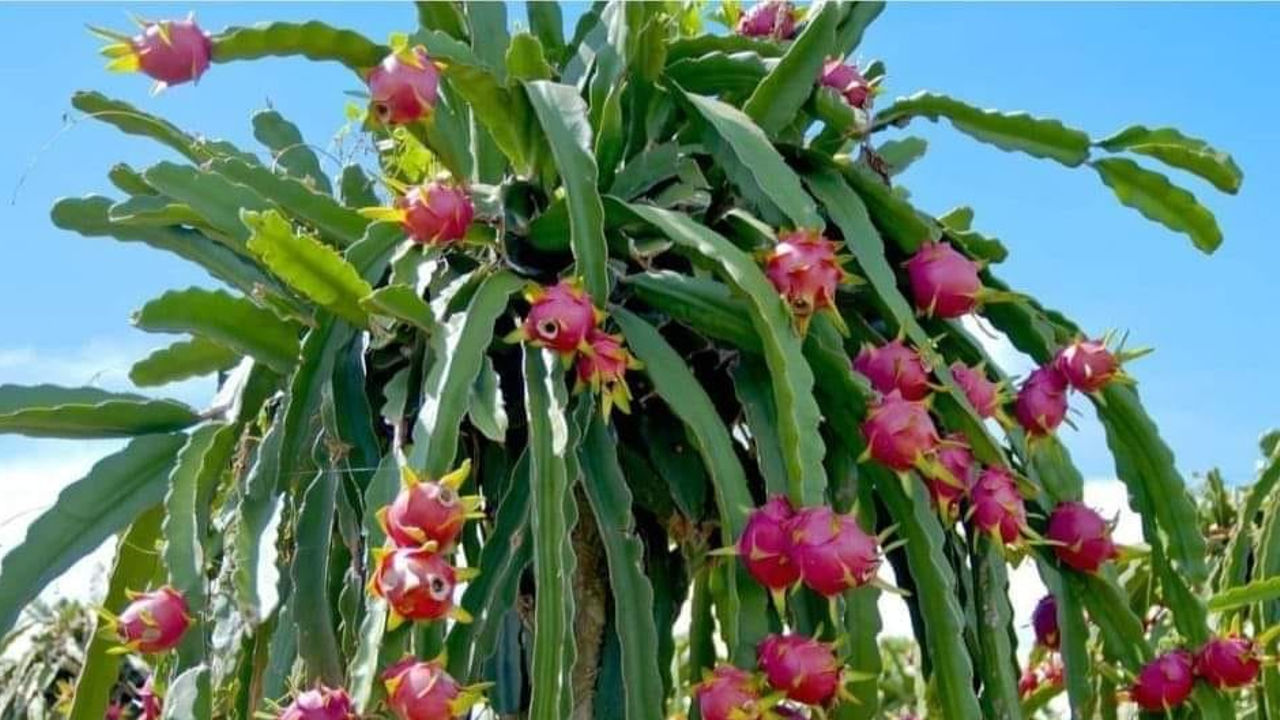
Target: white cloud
point(997, 346)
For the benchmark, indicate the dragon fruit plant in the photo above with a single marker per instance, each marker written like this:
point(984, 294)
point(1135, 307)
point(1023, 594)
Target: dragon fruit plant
point(411, 497)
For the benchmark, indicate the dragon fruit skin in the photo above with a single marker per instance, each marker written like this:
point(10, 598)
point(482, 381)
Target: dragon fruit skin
point(894, 366)
point(427, 511)
point(1087, 365)
point(765, 545)
point(154, 621)
point(983, 394)
point(769, 19)
point(848, 81)
point(803, 668)
point(1164, 683)
point(1228, 662)
point(424, 691)
point(805, 270)
point(1042, 401)
point(560, 318)
point(997, 506)
point(899, 432)
point(1083, 538)
point(944, 283)
point(437, 213)
point(729, 693)
point(172, 51)
point(417, 583)
point(604, 370)
point(832, 551)
point(404, 87)
point(319, 703)
point(955, 456)
point(1044, 620)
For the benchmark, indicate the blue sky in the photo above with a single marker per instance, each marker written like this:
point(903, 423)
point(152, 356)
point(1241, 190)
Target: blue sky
point(1204, 68)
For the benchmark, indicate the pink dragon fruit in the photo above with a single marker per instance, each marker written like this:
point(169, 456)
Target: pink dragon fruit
point(150, 700)
point(944, 283)
point(848, 81)
point(832, 551)
point(424, 691)
point(1042, 402)
point(171, 52)
point(436, 213)
point(560, 317)
point(428, 512)
point(805, 270)
point(604, 370)
point(1087, 364)
point(319, 703)
point(1082, 538)
point(1165, 682)
point(1044, 620)
point(983, 394)
point(997, 507)
point(153, 622)
point(894, 366)
point(729, 693)
point(1228, 662)
point(899, 432)
point(417, 583)
point(956, 459)
point(1029, 682)
point(765, 545)
point(803, 668)
point(404, 86)
point(769, 19)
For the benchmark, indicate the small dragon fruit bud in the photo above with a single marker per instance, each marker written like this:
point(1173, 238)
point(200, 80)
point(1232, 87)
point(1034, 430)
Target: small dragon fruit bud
point(417, 583)
point(604, 370)
point(1029, 682)
point(424, 691)
point(848, 81)
point(899, 432)
point(948, 490)
point(435, 213)
point(1164, 683)
point(428, 512)
point(803, 668)
point(560, 317)
point(1042, 401)
point(404, 86)
point(765, 545)
point(1228, 662)
point(894, 366)
point(729, 693)
point(1044, 620)
point(833, 552)
point(997, 506)
point(944, 283)
point(1087, 364)
point(983, 394)
point(769, 19)
point(804, 269)
point(319, 703)
point(150, 700)
point(155, 621)
point(1082, 538)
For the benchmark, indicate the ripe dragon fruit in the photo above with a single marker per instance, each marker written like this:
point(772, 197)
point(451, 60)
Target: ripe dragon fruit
point(428, 512)
point(604, 370)
point(983, 394)
point(1228, 662)
point(1042, 402)
point(404, 86)
point(171, 52)
point(424, 691)
point(1082, 538)
point(729, 693)
point(417, 583)
point(560, 317)
point(153, 622)
point(765, 545)
point(436, 213)
point(319, 703)
point(944, 283)
point(894, 366)
point(948, 490)
point(848, 81)
point(805, 270)
point(803, 668)
point(899, 432)
point(1164, 683)
point(832, 551)
point(997, 508)
point(1087, 364)
point(1044, 620)
point(769, 19)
